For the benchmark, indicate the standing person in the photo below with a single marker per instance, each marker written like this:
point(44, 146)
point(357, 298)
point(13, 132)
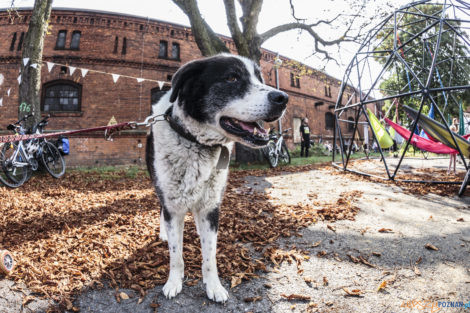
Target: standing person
point(305, 137)
point(453, 157)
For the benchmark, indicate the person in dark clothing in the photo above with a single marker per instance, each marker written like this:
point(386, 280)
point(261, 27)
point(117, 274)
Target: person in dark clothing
point(305, 137)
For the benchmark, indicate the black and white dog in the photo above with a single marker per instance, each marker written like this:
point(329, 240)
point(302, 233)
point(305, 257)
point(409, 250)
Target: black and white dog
point(213, 102)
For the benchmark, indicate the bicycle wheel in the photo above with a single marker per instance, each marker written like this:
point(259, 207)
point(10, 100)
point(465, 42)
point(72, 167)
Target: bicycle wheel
point(52, 159)
point(284, 155)
point(272, 155)
point(10, 175)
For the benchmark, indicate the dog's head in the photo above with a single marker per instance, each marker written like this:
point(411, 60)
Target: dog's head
point(226, 94)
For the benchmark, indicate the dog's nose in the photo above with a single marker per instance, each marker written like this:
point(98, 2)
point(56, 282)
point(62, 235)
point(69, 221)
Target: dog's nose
point(278, 98)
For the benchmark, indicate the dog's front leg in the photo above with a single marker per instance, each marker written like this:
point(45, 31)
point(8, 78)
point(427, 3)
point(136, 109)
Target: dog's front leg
point(208, 223)
point(174, 224)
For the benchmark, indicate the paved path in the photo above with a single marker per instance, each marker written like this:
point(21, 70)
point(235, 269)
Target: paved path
point(397, 257)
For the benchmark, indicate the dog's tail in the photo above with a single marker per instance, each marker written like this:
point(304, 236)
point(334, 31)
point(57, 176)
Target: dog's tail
point(150, 155)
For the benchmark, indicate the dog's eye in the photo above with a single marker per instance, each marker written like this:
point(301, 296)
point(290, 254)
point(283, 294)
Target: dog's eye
point(232, 78)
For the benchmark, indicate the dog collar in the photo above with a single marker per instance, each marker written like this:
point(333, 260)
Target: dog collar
point(224, 156)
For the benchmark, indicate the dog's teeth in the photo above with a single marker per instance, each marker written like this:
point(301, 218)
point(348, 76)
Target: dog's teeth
point(255, 131)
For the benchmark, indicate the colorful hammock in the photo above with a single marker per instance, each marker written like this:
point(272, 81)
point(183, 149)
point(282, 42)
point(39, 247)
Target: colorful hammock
point(384, 139)
point(421, 142)
point(439, 132)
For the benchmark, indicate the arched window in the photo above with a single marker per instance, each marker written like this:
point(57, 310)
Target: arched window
point(351, 124)
point(329, 120)
point(61, 96)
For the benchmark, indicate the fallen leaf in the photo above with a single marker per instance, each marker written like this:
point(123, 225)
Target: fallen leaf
point(382, 285)
point(377, 254)
point(252, 299)
point(353, 293)
point(431, 247)
point(385, 230)
point(316, 244)
point(460, 219)
point(332, 228)
point(124, 296)
point(295, 297)
point(419, 260)
point(325, 281)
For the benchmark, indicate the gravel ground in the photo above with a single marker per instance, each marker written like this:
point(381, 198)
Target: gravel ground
point(397, 257)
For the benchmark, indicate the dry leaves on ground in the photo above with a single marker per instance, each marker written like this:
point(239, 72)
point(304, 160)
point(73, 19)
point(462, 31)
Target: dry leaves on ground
point(86, 229)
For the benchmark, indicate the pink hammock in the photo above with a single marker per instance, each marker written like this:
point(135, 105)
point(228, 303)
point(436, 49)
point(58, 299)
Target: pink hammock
point(420, 142)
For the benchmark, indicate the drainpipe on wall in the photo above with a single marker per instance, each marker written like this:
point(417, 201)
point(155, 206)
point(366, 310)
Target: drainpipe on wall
point(277, 64)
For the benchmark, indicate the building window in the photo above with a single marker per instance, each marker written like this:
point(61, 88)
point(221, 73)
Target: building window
point(20, 43)
point(329, 120)
point(61, 36)
point(294, 80)
point(124, 45)
point(328, 91)
point(351, 124)
point(175, 51)
point(163, 50)
point(75, 44)
point(62, 96)
point(116, 43)
point(13, 41)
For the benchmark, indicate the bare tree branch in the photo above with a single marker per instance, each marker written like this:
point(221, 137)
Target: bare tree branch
point(292, 8)
point(208, 42)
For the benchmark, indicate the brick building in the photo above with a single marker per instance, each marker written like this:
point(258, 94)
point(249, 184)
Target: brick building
point(133, 47)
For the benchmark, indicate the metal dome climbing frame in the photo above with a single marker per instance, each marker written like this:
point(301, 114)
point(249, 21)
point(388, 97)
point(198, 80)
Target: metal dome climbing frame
point(423, 51)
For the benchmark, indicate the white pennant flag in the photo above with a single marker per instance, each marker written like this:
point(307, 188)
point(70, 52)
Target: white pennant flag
point(139, 80)
point(8, 91)
point(84, 71)
point(34, 65)
point(115, 77)
point(1, 102)
point(50, 65)
point(25, 61)
point(19, 79)
point(72, 69)
point(160, 84)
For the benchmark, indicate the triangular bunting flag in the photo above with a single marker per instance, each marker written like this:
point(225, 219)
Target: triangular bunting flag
point(84, 71)
point(160, 84)
point(8, 91)
point(1, 102)
point(19, 79)
point(25, 61)
point(72, 69)
point(112, 121)
point(115, 77)
point(50, 65)
point(139, 80)
point(34, 65)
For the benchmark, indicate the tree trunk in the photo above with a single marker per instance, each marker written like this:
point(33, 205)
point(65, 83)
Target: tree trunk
point(30, 85)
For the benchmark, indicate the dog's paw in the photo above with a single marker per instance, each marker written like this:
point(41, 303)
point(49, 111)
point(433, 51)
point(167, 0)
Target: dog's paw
point(216, 292)
point(172, 288)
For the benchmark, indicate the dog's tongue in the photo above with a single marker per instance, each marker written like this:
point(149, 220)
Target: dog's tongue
point(251, 127)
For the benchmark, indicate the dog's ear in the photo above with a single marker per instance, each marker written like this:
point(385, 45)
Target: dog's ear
point(184, 75)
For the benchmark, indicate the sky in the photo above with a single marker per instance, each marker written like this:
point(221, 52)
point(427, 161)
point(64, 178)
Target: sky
point(292, 44)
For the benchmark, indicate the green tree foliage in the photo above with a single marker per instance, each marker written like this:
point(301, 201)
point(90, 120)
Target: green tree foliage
point(417, 31)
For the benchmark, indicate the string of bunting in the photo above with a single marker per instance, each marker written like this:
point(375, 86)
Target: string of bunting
point(84, 72)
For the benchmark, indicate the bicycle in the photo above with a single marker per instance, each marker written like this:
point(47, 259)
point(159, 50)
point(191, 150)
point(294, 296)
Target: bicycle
point(276, 150)
point(19, 159)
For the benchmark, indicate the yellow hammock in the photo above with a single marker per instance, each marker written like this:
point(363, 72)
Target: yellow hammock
point(385, 141)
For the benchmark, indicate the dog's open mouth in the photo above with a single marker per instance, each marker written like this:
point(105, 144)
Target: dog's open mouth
point(252, 132)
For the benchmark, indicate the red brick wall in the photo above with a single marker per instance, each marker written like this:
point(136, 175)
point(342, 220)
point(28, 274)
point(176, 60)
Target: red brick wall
point(127, 99)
